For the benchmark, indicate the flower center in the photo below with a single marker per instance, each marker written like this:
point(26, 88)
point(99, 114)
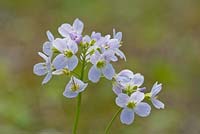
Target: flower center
point(131, 105)
point(148, 96)
point(130, 89)
point(101, 64)
point(107, 46)
point(66, 72)
point(68, 53)
point(74, 87)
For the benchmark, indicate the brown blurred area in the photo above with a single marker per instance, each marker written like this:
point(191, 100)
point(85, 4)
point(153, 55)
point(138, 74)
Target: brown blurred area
point(161, 40)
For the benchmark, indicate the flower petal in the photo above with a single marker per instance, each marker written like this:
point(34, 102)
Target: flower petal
point(70, 94)
point(94, 74)
point(127, 116)
point(141, 89)
point(122, 100)
point(138, 79)
point(60, 44)
point(72, 46)
point(60, 61)
point(50, 36)
point(43, 56)
point(86, 38)
point(83, 87)
point(72, 62)
point(47, 78)
point(158, 104)
point(108, 71)
point(47, 48)
point(117, 89)
point(142, 109)
point(40, 69)
point(120, 54)
point(113, 43)
point(109, 55)
point(95, 57)
point(96, 36)
point(124, 76)
point(156, 89)
point(118, 36)
point(78, 26)
point(137, 97)
point(64, 29)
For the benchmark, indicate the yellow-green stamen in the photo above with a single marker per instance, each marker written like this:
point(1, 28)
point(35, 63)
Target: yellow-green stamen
point(131, 105)
point(101, 64)
point(68, 53)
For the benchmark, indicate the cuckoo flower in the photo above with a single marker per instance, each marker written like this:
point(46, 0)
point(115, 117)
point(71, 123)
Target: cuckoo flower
point(94, 36)
point(107, 46)
point(124, 76)
point(100, 66)
point(67, 59)
point(132, 104)
point(96, 44)
point(127, 82)
point(73, 31)
point(74, 87)
point(153, 96)
point(118, 52)
point(60, 55)
point(43, 68)
point(135, 82)
point(112, 46)
point(47, 46)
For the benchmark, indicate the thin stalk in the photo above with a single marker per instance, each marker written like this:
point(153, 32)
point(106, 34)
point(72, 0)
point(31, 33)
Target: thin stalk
point(79, 98)
point(111, 121)
point(77, 113)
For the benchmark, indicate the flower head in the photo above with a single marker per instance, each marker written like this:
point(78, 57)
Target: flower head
point(73, 31)
point(74, 87)
point(100, 66)
point(127, 82)
point(153, 96)
point(106, 45)
point(43, 68)
point(67, 58)
point(132, 104)
point(61, 56)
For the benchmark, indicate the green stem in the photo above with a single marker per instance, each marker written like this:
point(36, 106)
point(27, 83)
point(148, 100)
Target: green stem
point(77, 113)
point(79, 99)
point(112, 120)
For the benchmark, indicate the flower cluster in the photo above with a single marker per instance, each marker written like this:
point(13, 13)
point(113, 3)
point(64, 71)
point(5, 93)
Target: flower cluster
point(60, 55)
point(95, 52)
point(130, 94)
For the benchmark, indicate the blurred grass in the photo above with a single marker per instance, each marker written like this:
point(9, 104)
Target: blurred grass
point(161, 40)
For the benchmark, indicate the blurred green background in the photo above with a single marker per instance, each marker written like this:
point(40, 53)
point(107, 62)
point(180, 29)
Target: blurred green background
point(161, 39)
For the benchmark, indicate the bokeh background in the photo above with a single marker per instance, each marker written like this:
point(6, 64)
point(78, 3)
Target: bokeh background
point(161, 39)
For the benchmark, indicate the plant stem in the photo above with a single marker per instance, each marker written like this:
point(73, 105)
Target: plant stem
point(77, 113)
point(112, 120)
point(79, 97)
